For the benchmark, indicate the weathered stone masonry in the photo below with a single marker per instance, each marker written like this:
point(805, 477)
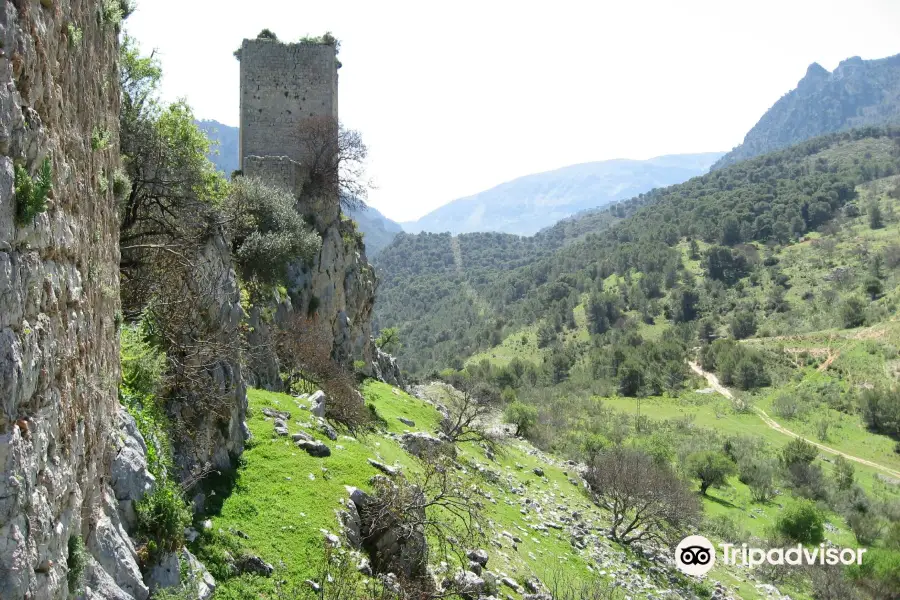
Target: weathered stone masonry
point(282, 86)
point(59, 352)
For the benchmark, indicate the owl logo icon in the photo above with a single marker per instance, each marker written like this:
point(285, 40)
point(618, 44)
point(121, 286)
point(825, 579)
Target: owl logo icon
point(695, 555)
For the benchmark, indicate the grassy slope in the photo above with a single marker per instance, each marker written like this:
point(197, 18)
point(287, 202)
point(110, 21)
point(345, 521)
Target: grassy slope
point(283, 498)
point(284, 501)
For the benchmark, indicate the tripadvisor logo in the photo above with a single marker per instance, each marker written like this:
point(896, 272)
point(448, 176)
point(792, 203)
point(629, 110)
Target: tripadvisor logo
point(695, 555)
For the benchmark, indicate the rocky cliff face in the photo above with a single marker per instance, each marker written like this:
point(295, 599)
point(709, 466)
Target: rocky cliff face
point(58, 304)
point(337, 287)
point(209, 399)
point(858, 93)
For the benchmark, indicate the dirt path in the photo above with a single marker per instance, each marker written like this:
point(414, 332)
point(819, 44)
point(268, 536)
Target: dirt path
point(469, 291)
point(714, 383)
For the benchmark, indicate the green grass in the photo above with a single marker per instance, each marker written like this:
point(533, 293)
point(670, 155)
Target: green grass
point(283, 510)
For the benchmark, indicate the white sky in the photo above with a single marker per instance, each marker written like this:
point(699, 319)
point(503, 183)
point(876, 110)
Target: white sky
point(455, 97)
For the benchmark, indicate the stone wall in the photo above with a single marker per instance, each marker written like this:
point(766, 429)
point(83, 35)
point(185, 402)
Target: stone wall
point(59, 354)
point(281, 85)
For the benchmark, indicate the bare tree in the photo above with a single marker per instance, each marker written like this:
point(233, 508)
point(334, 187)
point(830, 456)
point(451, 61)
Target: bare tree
point(648, 501)
point(336, 158)
point(467, 412)
point(303, 345)
point(560, 586)
point(435, 502)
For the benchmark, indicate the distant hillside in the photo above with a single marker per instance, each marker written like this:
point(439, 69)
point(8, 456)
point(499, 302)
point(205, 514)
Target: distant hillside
point(528, 204)
point(377, 229)
point(858, 93)
point(225, 155)
point(452, 297)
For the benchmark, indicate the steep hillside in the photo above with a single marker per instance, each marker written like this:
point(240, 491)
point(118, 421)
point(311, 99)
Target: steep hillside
point(652, 253)
point(544, 533)
point(528, 204)
point(377, 229)
point(741, 326)
point(858, 93)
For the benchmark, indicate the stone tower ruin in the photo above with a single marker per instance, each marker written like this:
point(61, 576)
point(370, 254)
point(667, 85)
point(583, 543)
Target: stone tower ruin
point(283, 86)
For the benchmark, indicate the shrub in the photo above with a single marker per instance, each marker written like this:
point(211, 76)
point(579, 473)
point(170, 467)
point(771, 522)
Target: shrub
point(267, 34)
point(389, 340)
point(31, 192)
point(304, 347)
point(787, 405)
point(843, 473)
point(75, 563)
point(100, 139)
point(853, 311)
point(521, 415)
point(879, 573)
point(112, 12)
point(267, 233)
point(162, 517)
point(880, 409)
point(743, 325)
point(866, 527)
point(798, 451)
point(711, 467)
point(759, 475)
point(648, 500)
point(802, 522)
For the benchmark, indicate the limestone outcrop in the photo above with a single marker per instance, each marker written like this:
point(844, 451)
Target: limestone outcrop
point(59, 349)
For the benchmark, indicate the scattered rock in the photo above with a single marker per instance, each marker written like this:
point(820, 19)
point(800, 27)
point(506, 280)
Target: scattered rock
point(511, 583)
point(407, 422)
point(538, 471)
point(282, 431)
point(313, 585)
point(364, 566)
point(250, 563)
point(479, 556)
point(301, 436)
point(176, 568)
point(329, 431)
point(317, 402)
point(387, 470)
point(314, 448)
point(276, 414)
point(422, 444)
point(468, 584)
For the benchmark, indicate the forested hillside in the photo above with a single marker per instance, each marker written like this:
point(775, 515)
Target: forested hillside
point(676, 255)
point(858, 93)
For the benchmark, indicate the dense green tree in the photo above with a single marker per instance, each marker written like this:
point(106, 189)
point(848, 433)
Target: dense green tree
point(523, 416)
point(876, 220)
point(743, 325)
point(711, 467)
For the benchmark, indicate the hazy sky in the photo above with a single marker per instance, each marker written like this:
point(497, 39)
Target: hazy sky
point(456, 97)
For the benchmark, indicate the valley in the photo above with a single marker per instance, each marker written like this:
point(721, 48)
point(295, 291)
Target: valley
point(224, 376)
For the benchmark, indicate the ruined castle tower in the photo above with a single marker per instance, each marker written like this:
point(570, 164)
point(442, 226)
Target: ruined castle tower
point(282, 87)
point(285, 87)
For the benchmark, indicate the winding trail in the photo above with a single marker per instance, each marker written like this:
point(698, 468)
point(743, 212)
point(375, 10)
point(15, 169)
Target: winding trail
point(468, 290)
point(716, 385)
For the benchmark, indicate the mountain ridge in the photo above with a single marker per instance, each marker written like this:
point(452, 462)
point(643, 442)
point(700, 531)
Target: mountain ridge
point(857, 93)
point(530, 203)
